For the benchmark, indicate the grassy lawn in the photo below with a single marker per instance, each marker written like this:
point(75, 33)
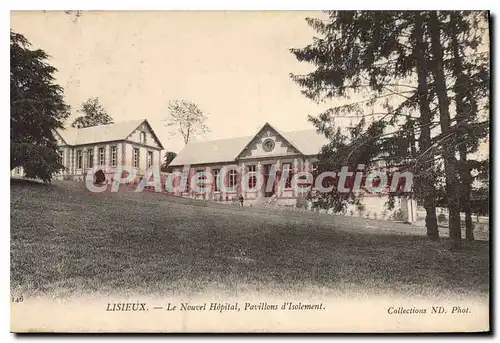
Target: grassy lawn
point(66, 241)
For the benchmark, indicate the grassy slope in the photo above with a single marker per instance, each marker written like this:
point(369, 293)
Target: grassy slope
point(65, 240)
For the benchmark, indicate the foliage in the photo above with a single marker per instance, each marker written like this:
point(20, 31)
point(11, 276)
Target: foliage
point(92, 114)
point(301, 203)
point(398, 215)
point(187, 119)
point(169, 157)
point(37, 108)
point(398, 64)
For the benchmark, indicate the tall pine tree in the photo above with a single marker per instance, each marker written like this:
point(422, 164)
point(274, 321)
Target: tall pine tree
point(376, 53)
point(465, 31)
point(400, 63)
point(92, 114)
point(37, 108)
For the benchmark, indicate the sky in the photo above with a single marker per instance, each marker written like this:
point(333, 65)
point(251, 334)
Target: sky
point(234, 65)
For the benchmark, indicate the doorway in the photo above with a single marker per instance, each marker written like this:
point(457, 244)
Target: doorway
point(268, 190)
point(99, 177)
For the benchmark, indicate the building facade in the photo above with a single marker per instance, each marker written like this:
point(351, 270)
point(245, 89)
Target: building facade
point(266, 153)
point(235, 163)
point(133, 144)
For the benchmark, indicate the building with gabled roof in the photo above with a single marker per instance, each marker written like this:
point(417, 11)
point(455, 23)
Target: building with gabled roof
point(132, 143)
point(270, 153)
point(267, 152)
point(302, 143)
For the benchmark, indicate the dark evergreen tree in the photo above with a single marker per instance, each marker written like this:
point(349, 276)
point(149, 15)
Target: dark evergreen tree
point(464, 31)
point(169, 157)
point(425, 171)
point(92, 114)
point(450, 162)
point(399, 63)
point(37, 108)
point(376, 53)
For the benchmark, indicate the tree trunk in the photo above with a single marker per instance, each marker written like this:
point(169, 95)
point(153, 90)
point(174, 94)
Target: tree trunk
point(450, 162)
point(463, 117)
point(466, 179)
point(428, 181)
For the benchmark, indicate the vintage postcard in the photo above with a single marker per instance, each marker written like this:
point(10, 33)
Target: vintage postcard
point(249, 171)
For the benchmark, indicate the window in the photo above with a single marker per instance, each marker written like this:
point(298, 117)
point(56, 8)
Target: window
point(150, 159)
point(232, 178)
point(79, 159)
point(142, 137)
point(287, 172)
point(113, 156)
point(135, 158)
point(90, 158)
point(252, 180)
point(101, 156)
point(268, 145)
point(216, 173)
point(201, 176)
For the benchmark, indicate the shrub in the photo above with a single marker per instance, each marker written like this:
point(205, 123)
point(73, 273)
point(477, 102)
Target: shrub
point(480, 227)
point(398, 215)
point(441, 218)
point(301, 203)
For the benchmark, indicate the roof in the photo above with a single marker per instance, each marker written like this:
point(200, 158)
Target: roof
point(222, 150)
point(102, 133)
point(307, 142)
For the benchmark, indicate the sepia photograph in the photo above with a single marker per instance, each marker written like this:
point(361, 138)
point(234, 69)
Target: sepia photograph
point(250, 171)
